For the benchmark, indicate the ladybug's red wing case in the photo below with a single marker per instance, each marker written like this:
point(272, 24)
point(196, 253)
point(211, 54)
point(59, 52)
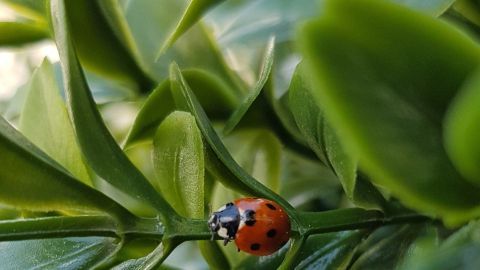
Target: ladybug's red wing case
point(264, 227)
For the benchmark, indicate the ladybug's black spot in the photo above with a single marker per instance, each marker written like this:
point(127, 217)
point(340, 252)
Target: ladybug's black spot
point(250, 222)
point(255, 246)
point(269, 205)
point(250, 217)
point(271, 233)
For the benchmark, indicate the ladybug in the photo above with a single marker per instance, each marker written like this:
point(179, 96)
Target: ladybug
point(258, 226)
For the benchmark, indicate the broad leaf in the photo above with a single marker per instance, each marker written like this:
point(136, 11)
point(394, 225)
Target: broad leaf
point(98, 146)
point(456, 252)
point(101, 47)
point(151, 261)
point(389, 248)
point(220, 162)
point(217, 99)
point(462, 126)
point(386, 95)
point(191, 15)
point(44, 121)
point(265, 69)
point(152, 33)
point(18, 33)
point(324, 141)
point(32, 177)
point(64, 253)
point(178, 159)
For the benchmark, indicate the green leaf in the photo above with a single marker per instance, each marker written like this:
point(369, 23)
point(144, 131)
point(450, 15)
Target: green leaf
point(456, 252)
point(151, 261)
point(102, 47)
point(431, 7)
point(324, 141)
point(219, 161)
point(462, 126)
point(265, 70)
point(259, 153)
point(63, 253)
point(44, 121)
point(216, 98)
point(32, 177)
point(19, 33)
point(388, 251)
point(152, 33)
point(213, 255)
point(192, 14)
point(386, 96)
point(98, 146)
point(179, 164)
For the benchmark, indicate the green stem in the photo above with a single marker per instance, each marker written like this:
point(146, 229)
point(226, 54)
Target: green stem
point(77, 226)
point(350, 219)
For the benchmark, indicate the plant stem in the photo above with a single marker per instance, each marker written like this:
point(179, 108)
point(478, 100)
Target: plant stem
point(350, 219)
point(76, 226)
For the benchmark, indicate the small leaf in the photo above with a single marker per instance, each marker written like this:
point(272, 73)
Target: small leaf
point(259, 153)
point(151, 261)
point(63, 253)
point(265, 70)
point(101, 47)
point(179, 164)
point(391, 249)
point(98, 146)
point(459, 251)
point(192, 14)
point(462, 126)
point(219, 162)
point(32, 178)
point(44, 121)
point(18, 33)
point(386, 94)
point(324, 141)
point(216, 98)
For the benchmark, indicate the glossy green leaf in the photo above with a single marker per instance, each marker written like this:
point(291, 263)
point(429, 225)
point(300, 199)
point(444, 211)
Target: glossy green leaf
point(456, 252)
point(192, 14)
point(324, 141)
point(462, 126)
point(216, 98)
point(389, 251)
point(259, 153)
point(265, 70)
point(152, 33)
point(431, 7)
point(308, 185)
point(18, 33)
point(219, 161)
point(386, 95)
point(151, 261)
point(44, 121)
point(469, 10)
point(100, 46)
point(178, 159)
point(63, 253)
point(32, 177)
point(98, 146)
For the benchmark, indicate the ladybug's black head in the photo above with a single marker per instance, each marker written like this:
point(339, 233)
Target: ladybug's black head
point(225, 222)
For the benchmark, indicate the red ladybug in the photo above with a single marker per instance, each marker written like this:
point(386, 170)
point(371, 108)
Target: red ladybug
point(258, 226)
